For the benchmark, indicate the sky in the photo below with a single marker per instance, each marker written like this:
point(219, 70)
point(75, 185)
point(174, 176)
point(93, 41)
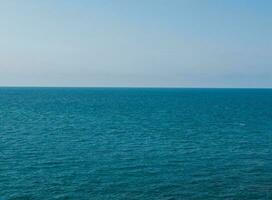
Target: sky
point(136, 43)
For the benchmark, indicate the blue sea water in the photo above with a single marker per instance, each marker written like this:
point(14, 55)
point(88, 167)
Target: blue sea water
point(142, 144)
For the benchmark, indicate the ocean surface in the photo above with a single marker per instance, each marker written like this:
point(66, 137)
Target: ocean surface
point(135, 144)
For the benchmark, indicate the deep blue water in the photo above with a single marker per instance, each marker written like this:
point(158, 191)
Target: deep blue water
point(111, 144)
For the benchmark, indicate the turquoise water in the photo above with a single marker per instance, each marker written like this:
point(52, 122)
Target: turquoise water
point(107, 144)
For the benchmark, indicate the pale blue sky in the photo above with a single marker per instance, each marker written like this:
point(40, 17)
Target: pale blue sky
point(152, 43)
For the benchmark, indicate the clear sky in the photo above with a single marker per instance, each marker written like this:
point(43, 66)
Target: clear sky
point(152, 43)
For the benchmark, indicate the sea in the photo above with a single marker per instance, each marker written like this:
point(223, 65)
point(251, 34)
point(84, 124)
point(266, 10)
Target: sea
point(135, 144)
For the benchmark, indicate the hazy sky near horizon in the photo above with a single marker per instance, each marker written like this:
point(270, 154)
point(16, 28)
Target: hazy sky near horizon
point(169, 43)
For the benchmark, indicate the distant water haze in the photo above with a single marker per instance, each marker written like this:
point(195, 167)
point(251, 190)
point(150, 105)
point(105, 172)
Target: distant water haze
point(136, 43)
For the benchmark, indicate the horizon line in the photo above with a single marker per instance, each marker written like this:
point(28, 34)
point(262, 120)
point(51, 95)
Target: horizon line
point(133, 87)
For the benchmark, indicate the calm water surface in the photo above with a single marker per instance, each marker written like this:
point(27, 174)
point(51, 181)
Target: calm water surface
point(122, 144)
